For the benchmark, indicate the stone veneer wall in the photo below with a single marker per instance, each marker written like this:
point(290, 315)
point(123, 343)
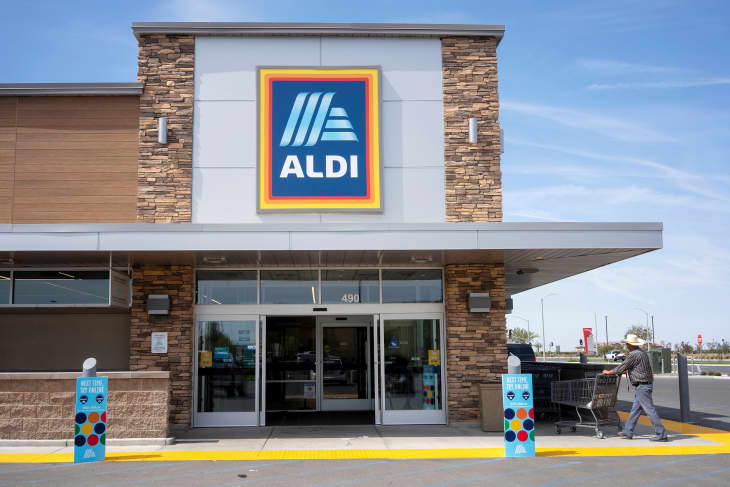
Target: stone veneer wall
point(165, 171)
point(476, 342)
point(473, 174)
point(177, 282)
point(41, 405)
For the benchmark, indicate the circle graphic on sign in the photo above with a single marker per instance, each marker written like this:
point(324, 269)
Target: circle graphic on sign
point(94, 417)
point(521, 413)
point(103, 416)
point(87, 429)
point(510, 436)
point(99, 428)
point(102, 439)
point(506, 425)
point(532, 435)
point(528, 424)
point(509, 413)
point(93, 439)
point(516, 424)
point(83, 399)
point(100, 399)
point(79, 440)
point(80, 418)
point(532, 413)
point(522, 436)
point(76, 429)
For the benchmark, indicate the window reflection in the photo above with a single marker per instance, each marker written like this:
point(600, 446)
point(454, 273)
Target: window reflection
point(4, 287)
point(350, 286)
point(227, 287)
point(61, 287)
point(289, 287)
point(412, 286)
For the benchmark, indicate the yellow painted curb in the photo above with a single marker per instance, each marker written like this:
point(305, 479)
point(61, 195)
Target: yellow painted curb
point(719, 437)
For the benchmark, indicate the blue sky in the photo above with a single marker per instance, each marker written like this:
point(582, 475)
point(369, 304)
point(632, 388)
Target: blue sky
point(612, 111)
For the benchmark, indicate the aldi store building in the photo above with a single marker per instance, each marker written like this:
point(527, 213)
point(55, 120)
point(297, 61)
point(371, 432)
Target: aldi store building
point(275, 221)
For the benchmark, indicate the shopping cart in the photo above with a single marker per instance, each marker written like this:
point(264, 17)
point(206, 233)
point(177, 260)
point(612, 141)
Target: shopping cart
point(596, 395)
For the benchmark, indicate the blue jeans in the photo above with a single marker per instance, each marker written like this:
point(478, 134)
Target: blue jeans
point(643, 400)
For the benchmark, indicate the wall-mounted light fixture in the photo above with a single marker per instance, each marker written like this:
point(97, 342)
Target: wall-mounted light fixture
point(472, 130)
point(479, 303)
point(158, 304)
point(162, 130)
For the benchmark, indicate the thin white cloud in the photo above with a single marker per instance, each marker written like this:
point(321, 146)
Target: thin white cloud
point(609, 66)
point(614, 128)
point(660, 85)
point(691, 182)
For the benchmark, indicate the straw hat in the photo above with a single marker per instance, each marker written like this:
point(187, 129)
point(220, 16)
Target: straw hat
point(632, 339)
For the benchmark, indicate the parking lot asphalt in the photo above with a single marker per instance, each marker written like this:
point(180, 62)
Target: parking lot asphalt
point(704, 470)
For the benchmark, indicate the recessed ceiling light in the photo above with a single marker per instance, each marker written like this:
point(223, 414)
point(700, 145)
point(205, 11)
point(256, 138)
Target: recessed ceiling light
point(527, 270)
point(214, 259)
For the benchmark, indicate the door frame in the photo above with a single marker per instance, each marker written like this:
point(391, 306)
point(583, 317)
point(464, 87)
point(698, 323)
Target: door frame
point(220, 419)
point(353, 321)
point(414, 416)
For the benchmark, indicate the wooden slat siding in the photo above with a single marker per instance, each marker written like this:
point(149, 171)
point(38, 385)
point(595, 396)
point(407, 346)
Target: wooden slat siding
point(8, 110)
point(76, 159)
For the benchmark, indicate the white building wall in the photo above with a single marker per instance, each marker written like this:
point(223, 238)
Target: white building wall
point(224, 134)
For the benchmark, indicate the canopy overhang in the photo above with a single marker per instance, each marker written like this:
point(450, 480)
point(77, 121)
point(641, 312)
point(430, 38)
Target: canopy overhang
point(533, 253)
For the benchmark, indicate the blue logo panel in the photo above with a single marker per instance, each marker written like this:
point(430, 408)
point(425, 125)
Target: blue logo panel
point(90, 419)
point(319, 139)
point(519, 415)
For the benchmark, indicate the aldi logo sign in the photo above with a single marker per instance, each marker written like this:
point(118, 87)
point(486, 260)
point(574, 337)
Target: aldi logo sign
point(319, 139)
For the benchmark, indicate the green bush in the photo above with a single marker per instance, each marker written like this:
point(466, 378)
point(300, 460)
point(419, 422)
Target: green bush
point(704, 372)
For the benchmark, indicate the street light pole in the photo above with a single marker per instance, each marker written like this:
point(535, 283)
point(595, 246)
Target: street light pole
point(653, 336)
point(542, 315)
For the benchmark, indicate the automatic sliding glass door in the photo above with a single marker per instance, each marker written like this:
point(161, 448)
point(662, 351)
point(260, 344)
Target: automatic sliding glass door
point(227, 371)
point(412, 387)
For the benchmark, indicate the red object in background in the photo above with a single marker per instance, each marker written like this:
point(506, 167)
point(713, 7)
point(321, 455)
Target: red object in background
point(586, 333)
point(699, 339)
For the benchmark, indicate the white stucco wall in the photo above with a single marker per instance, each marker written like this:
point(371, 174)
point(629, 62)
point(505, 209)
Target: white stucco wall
point(224, 142)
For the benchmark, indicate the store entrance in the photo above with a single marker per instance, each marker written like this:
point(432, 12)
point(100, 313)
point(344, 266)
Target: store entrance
point(319, 364)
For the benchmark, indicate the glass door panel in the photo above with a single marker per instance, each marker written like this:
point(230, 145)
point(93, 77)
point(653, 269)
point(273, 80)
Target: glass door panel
point(412, 377)
point(226, 372)
point(291, 363)
point(346, 367)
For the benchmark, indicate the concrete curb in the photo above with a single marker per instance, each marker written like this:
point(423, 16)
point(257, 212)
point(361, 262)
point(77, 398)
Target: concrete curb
point(70, 442)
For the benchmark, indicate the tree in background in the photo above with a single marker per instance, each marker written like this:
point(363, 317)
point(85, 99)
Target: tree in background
point(683, 347)
point(640, 331)
point(520, 335)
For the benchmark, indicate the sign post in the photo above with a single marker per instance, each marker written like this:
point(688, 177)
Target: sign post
point(519, 415)
point(699, 344)
point(90, 419)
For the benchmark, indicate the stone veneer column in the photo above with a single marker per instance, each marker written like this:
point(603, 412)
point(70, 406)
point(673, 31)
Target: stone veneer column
point(165, 171)
point(177, 281)
point(473, 174)
point(476, 342)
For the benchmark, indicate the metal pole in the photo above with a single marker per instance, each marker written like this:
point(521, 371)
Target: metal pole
point(653, 336)
point(542, 314)
point(606, 329)
point(89, 367)
point(683, 388)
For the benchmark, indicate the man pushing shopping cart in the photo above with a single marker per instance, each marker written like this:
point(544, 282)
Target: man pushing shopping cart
point(641, 377)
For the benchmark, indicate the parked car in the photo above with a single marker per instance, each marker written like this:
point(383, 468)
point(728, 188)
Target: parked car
point(522, 351)
point(616, 356)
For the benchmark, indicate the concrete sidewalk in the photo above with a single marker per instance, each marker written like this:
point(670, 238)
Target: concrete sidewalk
point(455, 441)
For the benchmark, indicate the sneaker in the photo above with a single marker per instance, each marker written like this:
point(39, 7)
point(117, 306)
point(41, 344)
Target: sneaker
point(623, 435)
point(659, 438)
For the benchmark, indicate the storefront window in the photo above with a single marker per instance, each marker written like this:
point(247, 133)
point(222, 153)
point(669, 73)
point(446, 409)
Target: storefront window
point(350, 286)
point(227, 287)
point(4, 287)
point(61, 287)
point(289, 287)
point(412, 286)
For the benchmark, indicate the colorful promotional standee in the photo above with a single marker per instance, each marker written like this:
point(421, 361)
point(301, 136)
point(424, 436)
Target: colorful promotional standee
point(519, 415)
point(90, 420)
